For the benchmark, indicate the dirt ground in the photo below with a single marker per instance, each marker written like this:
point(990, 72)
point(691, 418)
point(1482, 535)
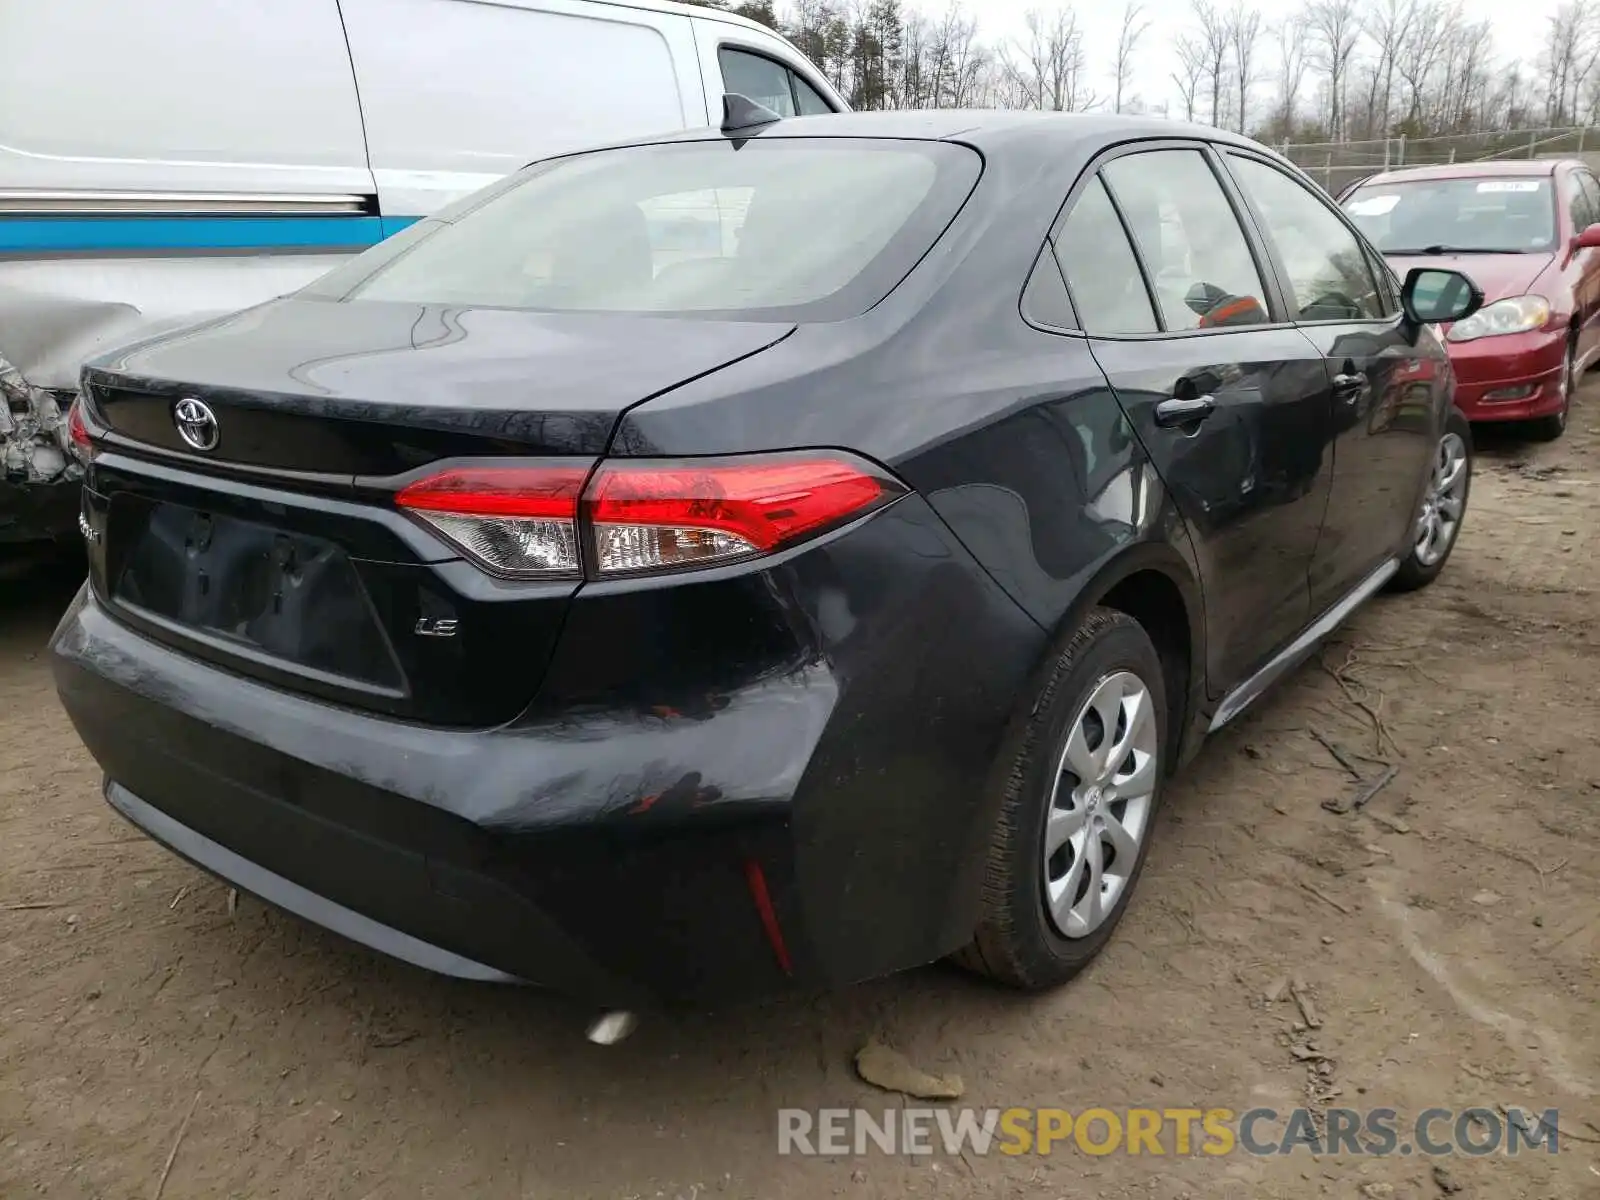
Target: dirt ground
point(1448, 936)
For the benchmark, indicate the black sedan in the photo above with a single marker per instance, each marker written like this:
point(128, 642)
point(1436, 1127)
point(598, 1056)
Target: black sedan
point(757, 558)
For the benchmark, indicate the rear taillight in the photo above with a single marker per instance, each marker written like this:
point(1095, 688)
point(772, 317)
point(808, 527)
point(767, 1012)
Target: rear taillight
point(640, 516)
point(515, 520)
point(78, 432)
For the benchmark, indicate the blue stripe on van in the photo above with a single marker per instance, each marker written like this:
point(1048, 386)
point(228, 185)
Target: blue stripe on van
point(393, 225)
point(46, 234)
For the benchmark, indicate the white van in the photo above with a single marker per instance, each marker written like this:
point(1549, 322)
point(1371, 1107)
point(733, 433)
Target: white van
point(167, 160)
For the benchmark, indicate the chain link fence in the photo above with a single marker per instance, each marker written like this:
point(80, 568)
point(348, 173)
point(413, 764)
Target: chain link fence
point(1339, 165)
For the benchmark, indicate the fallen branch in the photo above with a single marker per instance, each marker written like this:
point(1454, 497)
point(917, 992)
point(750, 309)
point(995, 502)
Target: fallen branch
point(172, 1155)
point(1542, 872)
point(1338, 754)
point(1325, 898)
point(31, 907)
point(1380, 731)
point(1373, 788)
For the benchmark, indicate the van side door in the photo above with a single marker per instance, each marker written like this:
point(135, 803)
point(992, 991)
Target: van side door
point(457, 94)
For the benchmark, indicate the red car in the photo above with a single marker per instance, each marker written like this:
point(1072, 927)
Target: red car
point(1528, 233)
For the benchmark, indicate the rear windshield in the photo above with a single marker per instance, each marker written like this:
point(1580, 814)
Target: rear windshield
point(787, 228)
point(1506, 215)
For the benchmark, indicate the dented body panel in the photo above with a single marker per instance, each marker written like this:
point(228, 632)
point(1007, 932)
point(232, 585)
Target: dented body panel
point(137, 197)
point(58, 313)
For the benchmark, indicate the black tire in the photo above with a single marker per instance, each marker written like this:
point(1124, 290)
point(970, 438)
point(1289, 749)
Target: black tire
point(1016, 942)
point(1548, 429)
point(1413, 572)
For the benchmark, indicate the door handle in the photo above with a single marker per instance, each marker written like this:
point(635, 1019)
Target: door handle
point(1188, 410)
point(1348, 386)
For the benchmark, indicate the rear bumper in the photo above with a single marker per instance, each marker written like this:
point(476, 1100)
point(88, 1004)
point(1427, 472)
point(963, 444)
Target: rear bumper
point(1510, 378)
point(469, 853)
point(809, 828)
point(290, 896)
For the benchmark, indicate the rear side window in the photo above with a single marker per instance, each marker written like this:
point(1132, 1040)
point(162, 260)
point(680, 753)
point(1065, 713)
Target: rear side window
point(769, 83)
point(781, 229)
point(1189, 238)
point(1591, 189)
point(1579, 207)
point(1044, 300)
point(1108, 291)
point(1327, 265)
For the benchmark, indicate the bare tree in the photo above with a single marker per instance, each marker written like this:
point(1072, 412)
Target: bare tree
point(1134, 27)
point(1216, 49)
point(967, 62)
point(1388, 24)
point(1421, 52)
point(1191, 70)
point(1048, 69)
point(1244, 31)
point(1291, 73)
point(1334, 27)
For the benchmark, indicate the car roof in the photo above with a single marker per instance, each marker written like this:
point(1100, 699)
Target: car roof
point(1496, 168)
point(989, 129)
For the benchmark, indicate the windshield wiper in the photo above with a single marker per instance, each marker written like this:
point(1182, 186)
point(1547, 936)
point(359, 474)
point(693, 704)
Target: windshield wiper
point(1442, 249)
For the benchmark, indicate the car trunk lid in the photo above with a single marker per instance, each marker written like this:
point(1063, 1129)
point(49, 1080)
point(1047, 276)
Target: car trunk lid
point(278, 553)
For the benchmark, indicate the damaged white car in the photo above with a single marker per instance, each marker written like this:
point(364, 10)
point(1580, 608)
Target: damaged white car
point(199, 158)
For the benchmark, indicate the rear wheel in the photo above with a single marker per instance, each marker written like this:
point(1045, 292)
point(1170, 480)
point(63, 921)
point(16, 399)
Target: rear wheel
point(1444, 507)
point(1548, 429)
point(1079, 803)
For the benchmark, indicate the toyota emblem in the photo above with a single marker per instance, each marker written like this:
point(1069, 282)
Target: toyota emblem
point(197, 424)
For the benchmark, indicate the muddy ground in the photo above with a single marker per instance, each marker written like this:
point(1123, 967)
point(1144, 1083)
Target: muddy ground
point(1447, 934)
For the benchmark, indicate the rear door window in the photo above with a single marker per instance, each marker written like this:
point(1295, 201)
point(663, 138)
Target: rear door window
point(1327, 265)
point(1108, 289)
point(1580, 208)
point(1591, 191)
point(1189, 239)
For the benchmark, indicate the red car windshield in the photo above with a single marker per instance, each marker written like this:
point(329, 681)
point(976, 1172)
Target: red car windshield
point(1486, 215)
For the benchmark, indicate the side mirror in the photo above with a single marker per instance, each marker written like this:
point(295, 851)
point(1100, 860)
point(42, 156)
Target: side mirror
point(1432, 295)
point(1588, 239)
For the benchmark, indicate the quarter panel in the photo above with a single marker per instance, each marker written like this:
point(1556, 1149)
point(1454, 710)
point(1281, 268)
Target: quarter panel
point(891, 818)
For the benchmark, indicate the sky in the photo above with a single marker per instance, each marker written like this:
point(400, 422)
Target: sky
point(1516, 36)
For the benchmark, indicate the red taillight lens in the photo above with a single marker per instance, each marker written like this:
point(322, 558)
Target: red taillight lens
point(520, 521)
point(78, 432)
point(523, 520)
point(658, 516)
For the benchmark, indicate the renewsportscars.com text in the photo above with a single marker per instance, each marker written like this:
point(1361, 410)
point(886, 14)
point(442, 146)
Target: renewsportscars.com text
point(1179, 1132)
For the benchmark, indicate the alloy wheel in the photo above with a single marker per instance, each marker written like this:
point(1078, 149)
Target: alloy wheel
point(1100, 804)
point(1444, 502)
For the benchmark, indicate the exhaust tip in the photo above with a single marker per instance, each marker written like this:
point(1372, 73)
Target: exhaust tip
point(612, 1027)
